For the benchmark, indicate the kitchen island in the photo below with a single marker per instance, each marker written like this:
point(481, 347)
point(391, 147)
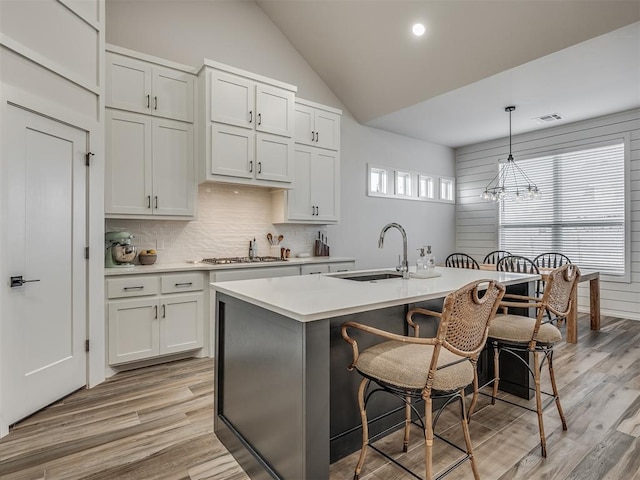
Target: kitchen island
point(284, 402)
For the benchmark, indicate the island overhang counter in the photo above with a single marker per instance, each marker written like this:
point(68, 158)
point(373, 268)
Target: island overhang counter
point(284, 402)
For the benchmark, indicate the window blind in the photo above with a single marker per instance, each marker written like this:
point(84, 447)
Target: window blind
point(581, 212)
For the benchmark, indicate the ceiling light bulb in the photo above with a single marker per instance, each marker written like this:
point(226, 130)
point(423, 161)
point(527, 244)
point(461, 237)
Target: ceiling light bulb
point(418, 29)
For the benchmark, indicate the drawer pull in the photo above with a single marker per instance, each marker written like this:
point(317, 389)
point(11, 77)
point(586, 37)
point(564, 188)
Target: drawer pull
point(315, 273)
point(126, 289)
point(345, 270)
point(185, 284)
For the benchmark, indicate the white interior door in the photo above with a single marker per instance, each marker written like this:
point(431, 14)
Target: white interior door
point(44, 228)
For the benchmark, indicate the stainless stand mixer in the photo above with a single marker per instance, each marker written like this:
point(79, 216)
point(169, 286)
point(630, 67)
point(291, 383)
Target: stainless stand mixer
point(119, 250)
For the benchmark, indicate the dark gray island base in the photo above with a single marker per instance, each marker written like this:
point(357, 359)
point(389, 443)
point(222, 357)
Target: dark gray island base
point(285, 404)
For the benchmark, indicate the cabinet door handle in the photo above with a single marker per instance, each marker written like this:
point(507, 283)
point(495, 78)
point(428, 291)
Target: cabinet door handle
point(126, 289)
point(317, 210)
point(164, 311)
point(156, 201)
point(313, 136)
point(148, 201)
point(317, 136)
point(155, 103)
point(155, 312)
point(185, 284)
point(250, 116)
point(259, 167)
point(259, 119)
point(251, 166)
point(148, 100)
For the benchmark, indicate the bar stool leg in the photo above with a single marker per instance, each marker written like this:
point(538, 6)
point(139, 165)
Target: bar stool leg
point(536, 374)
point(365, 428)
point(496, 372)
point(467, 437)
point(555, 390)
point(407, 423)
point(428, 437)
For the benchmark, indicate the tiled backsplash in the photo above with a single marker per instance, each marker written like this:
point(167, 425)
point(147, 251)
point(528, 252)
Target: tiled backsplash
point(228, 217)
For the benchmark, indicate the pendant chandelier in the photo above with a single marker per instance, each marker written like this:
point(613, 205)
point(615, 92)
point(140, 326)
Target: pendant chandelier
point(511, 181)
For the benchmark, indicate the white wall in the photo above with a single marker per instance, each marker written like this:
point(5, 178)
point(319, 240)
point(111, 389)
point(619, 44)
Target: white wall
point(239, 34)
point(426, 223)
point(476, 220)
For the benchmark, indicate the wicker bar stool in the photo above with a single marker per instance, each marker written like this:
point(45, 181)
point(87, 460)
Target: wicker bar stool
point(515, 334)
point(441, 367)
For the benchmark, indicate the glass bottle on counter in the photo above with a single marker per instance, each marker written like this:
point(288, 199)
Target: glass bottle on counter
point(421, 264)
point(430, 261)
point(426, 263)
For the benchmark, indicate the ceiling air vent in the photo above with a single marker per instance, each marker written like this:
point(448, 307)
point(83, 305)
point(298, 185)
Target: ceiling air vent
point(551, 117)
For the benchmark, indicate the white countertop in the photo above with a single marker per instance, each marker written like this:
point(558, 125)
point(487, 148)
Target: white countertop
point(313, 297)
point(196, 266)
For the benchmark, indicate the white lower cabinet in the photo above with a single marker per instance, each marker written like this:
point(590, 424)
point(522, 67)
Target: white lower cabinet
point(157, 319)
point(251, 273)
point(316, 268)
point(342, 267)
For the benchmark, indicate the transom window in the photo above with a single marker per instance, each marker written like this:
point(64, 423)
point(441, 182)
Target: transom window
point(391, 182)
point(581, 212)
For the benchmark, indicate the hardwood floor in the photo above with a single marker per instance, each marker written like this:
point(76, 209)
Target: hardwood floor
point(156, 423)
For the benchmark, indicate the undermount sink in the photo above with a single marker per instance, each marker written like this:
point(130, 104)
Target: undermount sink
point(370, 276)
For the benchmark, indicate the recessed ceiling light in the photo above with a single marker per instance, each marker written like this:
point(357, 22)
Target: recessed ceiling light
point(418, 29)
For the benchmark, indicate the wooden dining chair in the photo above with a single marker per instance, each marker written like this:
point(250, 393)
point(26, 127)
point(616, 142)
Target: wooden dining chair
point(516, 334)
point(495, 256)
point(551, 260)
point(461, 260)
point(518, 264)
point(414, 367)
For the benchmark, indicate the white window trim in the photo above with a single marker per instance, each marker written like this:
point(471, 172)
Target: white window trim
point(392, 173)
point(370, 190)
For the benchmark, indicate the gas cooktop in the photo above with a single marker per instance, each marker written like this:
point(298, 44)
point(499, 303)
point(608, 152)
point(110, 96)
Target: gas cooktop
point(227, 260)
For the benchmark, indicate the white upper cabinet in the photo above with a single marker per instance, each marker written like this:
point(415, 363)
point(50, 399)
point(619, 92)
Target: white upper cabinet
point(315, 196)
point(246, 128)
point(144, 87)
point(239, 101)
point(275, 107)
point(315, 126)
point(150, 161)
point(232, 100)
point(150, 166)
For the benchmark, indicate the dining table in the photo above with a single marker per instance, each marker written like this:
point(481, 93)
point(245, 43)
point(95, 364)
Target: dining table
point(591, 276)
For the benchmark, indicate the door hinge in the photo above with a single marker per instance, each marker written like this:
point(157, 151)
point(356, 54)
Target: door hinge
point(86, 252)
point(86, 345)
point(87, 157)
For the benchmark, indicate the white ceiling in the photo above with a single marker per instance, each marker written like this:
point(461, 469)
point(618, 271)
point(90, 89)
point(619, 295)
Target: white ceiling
point(578, 58)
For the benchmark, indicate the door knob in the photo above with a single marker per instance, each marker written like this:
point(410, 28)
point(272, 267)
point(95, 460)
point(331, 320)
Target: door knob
point(18, 281)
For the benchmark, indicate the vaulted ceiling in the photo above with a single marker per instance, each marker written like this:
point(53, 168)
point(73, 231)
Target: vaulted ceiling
point(579, 58)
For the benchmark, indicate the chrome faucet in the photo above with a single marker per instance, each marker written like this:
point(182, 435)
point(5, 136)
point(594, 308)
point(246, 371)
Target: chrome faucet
point(404, 265)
